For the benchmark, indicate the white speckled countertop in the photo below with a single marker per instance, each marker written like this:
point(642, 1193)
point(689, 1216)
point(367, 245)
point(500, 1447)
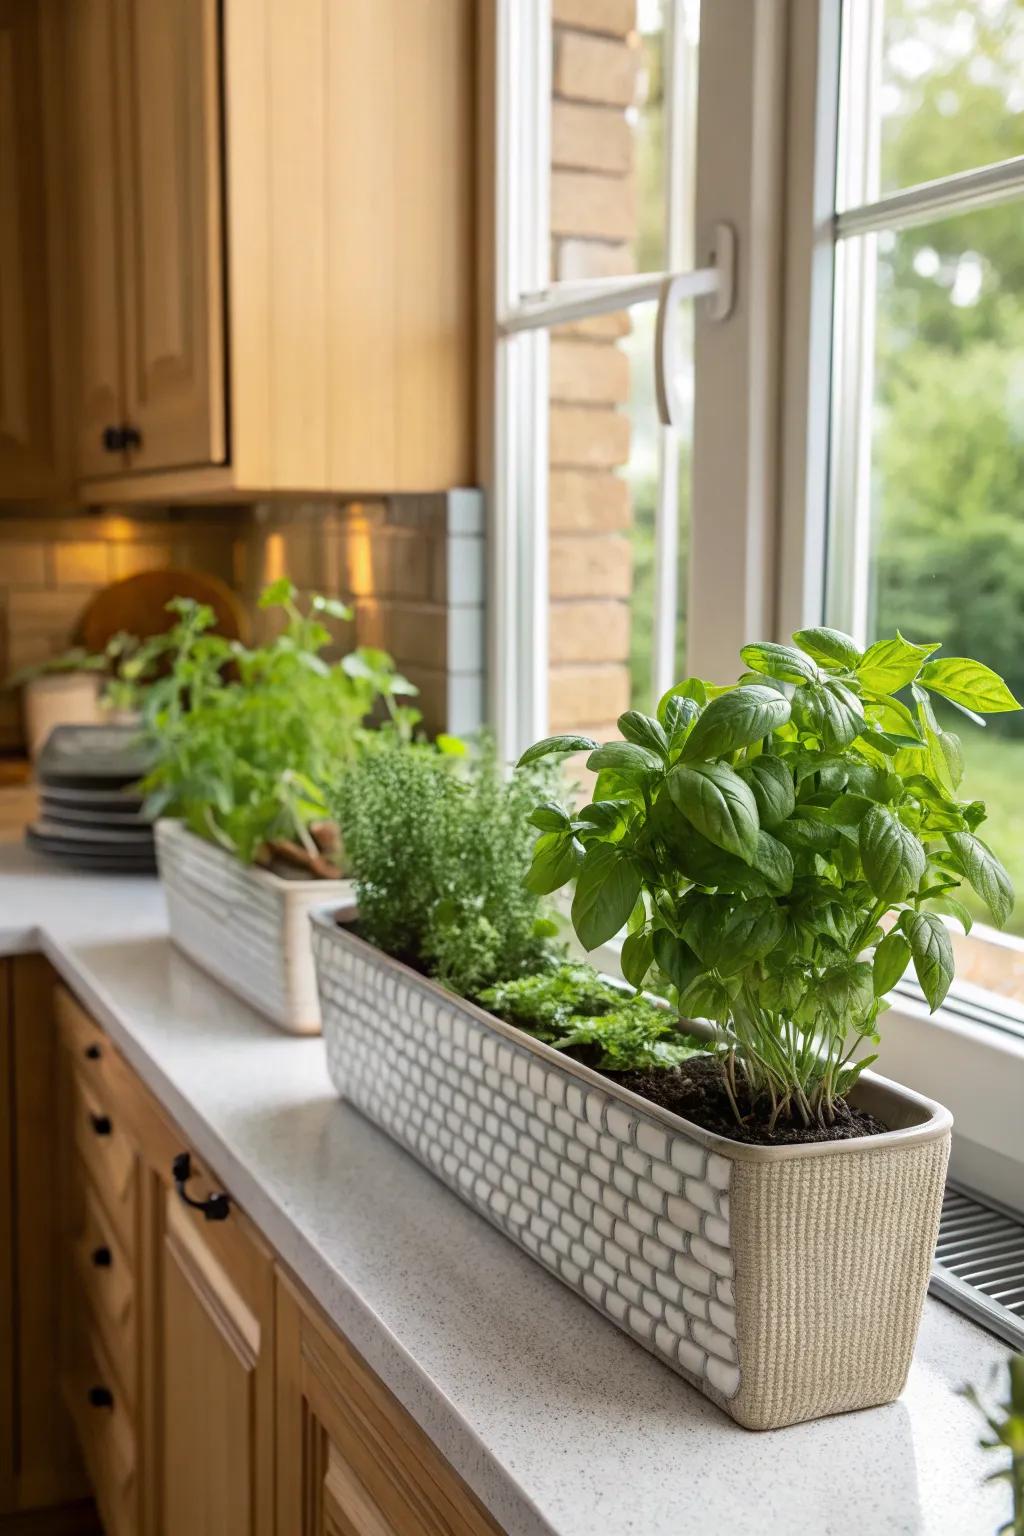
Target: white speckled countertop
point(558, 1421)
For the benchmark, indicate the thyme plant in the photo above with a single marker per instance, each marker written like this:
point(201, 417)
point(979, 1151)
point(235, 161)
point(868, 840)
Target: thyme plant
point(780, 850)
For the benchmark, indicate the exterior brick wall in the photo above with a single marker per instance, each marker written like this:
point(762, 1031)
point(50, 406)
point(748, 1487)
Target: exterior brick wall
point(411, 566)
point(593, 227)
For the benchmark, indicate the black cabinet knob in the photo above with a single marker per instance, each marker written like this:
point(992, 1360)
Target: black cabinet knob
point(101, 1124)
point(101, 1397)
point(93, 1053)
point(101, 1257)
point(113, 439)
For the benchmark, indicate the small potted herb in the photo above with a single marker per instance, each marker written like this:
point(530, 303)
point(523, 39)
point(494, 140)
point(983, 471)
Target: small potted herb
point(747, 1203)
point(245, 741)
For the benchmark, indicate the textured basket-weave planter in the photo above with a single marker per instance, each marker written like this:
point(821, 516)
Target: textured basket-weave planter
point(785, 1282)
point(245, 926)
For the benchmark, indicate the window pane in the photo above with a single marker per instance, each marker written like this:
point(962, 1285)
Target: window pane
point(929, 496)
point(930, 87)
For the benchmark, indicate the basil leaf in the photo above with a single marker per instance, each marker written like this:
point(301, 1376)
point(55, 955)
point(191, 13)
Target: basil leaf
point(985, 873)
point(735, 720)
point(691, 688)
point(675, 958)
point(932, 951)
point(556, 858)
point(625, 758)
point(707, 998)
point(607, 887)
point(604, 816)
point(805, 832)
point(643, 731)
point(969, 683)
point(846, 992)
point(751, 932)
point(552, 744)
point(892, 956)
point(781, 661)
point(636, 957)
point(830, 712)
point(772, 785)
point(893, 859)
point(715, 800)
point(829, 646)
point(679, 715)
point(889, 665)
point(773, 860)
point(549, 817)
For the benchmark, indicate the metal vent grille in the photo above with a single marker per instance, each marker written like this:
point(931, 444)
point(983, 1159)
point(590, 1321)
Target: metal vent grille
point(979, 1262)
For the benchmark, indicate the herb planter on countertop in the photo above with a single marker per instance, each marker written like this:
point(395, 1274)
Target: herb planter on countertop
point(247, 927)
point(785, 1282)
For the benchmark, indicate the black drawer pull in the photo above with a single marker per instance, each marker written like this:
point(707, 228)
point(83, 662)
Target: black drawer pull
point(101, 1397)
point(93, 1053)
point(101, 1124)
point(214, 1207)
point(113, 439)
point(101, 1257)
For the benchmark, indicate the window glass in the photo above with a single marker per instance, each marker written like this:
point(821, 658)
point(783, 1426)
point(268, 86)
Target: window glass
point(952, 87)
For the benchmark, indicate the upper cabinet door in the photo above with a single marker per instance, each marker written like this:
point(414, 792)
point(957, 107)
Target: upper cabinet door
point(96, 249)
point(30, 102)
point(172, 234)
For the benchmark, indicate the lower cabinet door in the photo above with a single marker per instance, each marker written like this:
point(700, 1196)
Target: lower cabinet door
point(350, 1460)
point(214, 1411)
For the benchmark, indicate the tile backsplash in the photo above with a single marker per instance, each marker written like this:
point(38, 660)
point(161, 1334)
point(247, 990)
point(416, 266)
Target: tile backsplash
point(412, 568)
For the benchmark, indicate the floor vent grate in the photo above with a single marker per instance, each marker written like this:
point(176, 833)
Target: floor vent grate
point(979, 1262)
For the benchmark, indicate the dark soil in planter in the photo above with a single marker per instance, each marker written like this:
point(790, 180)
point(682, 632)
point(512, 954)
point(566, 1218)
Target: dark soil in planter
point(696, 1091)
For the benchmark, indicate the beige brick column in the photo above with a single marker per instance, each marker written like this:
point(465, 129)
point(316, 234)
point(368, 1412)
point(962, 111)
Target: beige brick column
point(593, 226)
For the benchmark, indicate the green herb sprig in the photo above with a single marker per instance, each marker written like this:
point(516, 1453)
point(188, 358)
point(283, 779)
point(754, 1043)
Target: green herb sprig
point(248, 739)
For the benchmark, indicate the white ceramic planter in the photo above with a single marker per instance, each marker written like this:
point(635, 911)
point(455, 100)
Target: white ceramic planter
point(785, 1282)
point(247, 927)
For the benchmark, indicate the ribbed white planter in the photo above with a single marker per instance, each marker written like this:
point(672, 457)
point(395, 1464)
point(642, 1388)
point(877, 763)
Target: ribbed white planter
point(785, 1282)
point(244, 925)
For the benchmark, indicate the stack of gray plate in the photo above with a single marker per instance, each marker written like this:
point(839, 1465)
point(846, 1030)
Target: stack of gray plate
point(90, 811)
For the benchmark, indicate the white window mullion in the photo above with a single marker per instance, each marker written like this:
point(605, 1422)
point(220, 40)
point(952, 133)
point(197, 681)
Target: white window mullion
point(680, 85)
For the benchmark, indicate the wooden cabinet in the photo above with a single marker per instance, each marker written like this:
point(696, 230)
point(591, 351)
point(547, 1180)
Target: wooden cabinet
point(33, 448)
point(39, 1462)
point(207, 1393)
point(216, 1402)
point(351, 1462)
point(273, 245)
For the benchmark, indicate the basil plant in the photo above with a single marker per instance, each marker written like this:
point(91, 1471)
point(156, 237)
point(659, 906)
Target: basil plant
point(779, 851)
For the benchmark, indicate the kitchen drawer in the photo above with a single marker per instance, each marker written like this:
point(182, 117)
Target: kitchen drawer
point(106, 1432)
point(106, 1285)
point(94, 1057)
point(107, 1155)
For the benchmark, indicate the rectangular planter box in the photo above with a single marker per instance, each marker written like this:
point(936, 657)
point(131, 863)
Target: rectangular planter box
point(785, 1282)
point(247, 927)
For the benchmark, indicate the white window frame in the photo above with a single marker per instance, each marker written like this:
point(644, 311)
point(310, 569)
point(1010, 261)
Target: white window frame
point(967, 1055)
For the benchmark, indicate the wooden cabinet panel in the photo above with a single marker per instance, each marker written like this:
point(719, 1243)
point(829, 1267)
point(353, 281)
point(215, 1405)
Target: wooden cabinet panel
point(216, 1399)
point(351, 1462)
point(39, 1464)
point(31, 414)
point(93, 175)
point(172, 233)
